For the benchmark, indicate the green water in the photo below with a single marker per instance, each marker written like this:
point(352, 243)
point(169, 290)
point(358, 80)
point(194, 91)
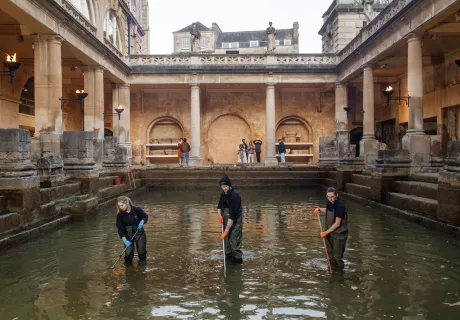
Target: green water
point(394, 269)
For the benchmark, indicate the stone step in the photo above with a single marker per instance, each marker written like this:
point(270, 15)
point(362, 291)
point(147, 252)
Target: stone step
point(329, 182)
point(249, 181)
point(82, 208)
point(234, 174)
point(360, 179)
point(9, 221)
point(3, 204)
point(424, 177)
point(409, 202)
point(112, 192)
point(358, 190)
point(54, 208)
point(417, 188)
point(64, 191)
point(107, 181)
point(332, 175)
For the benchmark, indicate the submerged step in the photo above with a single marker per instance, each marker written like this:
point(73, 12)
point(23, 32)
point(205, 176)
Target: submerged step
point(358, 190)
point(9, 221)
point(63, 191)
point(417, 188)
point(424, 177)
point(413, 203)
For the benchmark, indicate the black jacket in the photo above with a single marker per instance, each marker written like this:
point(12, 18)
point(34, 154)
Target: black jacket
point(281, 147)
point(232, 201)
point(133, 218)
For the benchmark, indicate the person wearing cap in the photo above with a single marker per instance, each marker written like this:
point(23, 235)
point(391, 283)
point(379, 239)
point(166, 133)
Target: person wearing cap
point(230, 215)
point(336, 233)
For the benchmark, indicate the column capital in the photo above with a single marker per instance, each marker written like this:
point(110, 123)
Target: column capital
point(368, 66)
point(124, 86)
point(413, 37)
point(270, 84)
point(55, 39)
point(94, 68)
point(340, 85)
point(194, 84)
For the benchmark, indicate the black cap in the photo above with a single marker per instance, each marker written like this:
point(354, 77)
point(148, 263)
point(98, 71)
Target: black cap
point(225, 181)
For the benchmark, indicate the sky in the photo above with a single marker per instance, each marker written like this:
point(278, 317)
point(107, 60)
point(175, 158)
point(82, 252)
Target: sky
point(167, 16)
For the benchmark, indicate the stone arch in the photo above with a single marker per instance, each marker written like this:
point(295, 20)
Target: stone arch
point(167, 128)
point(294, 127)
point(224, 135)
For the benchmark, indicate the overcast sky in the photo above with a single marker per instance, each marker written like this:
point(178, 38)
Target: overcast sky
point(167, 16)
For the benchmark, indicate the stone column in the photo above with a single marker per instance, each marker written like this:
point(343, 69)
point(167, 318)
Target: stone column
point(369, 146)
point(195, 155)
point(41, 83)
point(125, 120)
point(341, 121)
point(416, 141)
point(270, 126)
point(55, 82)
point(115, 104)
point(94, 109)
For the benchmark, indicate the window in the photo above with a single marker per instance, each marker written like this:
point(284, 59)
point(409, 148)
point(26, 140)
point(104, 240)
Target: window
point(185, 43)
point(202, 42)
point(287, 42)
point(253, 44)
point(110, 28)
point(82, 6)
point(228, 45)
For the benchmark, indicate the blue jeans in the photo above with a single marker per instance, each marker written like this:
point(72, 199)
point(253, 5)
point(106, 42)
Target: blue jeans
point(283, 157)
point(185, 158)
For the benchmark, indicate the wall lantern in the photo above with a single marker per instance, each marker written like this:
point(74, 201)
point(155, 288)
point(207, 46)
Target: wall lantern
point(347, 109)
point(118, 111)
point(388, 92)
point(12, 65)
point(81, 96)
point(457, 62)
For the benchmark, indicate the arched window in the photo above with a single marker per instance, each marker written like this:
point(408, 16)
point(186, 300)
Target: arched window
point(110, 28)
point(82, 6)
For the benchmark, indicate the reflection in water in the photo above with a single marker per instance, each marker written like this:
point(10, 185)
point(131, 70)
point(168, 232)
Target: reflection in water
point(393, 268)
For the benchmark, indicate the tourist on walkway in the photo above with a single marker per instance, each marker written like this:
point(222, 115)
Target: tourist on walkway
point(242, 154)
point(282, 150)
point(230, 215)
point(250, 152)
point(258, 148)
point(129, 220)
point(337, 227)
point(185, 149)
point(179, 153)
point(243, 141)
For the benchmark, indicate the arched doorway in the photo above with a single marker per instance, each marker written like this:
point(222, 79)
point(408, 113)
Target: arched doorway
point(297, 135)
point(356, 135)
point(224, 136)
point(27, 107)
point(163, 136)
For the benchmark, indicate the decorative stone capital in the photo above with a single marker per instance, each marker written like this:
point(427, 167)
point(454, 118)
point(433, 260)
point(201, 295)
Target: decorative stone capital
point(124, 86)
point(339, 85)
point(194, 84)
point(55, 39)
point(413, 37)
point(270, 84)
point(368, 66)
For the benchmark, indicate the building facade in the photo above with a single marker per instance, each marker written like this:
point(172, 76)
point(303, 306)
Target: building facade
point(214, 40)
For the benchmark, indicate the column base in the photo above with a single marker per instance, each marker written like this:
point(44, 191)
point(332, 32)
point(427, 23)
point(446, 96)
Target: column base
point(419, 146)
point(195, 162)
point(368, 150)
point(271, 162)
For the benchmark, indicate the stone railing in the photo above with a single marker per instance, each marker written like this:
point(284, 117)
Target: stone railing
point(385, 17)
point(228, 59)
point(77, 15)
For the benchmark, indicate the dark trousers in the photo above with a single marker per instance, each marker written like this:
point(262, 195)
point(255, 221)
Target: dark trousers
point(258, 156)
point(335, 249)
point(140, 242)
point(234, 240)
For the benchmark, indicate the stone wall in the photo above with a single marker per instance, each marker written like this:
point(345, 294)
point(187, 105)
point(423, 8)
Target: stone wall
point(228, 116)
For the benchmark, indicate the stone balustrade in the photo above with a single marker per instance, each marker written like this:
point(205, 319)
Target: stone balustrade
point(232, 60)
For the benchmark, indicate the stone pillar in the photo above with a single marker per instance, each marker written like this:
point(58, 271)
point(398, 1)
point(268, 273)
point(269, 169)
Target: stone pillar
point(270, 126)
point(195, 145)
point(19, 182)
point(55, 82)
point(341, 121)
point(115, 155)
point(416, 141)
point(125, 120)
point(369, 146)
point(94, 109)
point(41, 83)
point(115, 104)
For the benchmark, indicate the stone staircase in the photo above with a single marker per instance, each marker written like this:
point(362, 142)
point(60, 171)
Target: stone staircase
point(282, 177)
point(359, 185)
point(418, 194)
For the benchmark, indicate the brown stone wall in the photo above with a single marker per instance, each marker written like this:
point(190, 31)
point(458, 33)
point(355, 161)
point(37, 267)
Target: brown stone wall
point(227, 117)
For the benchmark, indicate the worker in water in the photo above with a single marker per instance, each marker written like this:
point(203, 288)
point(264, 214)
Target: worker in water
point(131, 219)
point(336, 233)
point(230, 215)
